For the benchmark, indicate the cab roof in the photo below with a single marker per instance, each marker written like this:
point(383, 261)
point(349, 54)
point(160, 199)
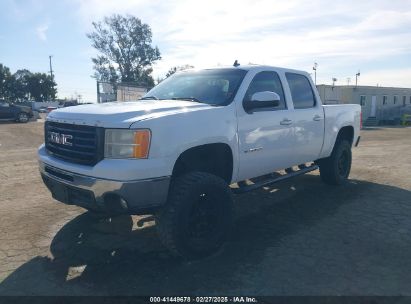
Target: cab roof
point(254, 67)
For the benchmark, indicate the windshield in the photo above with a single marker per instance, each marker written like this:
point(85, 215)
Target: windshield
point(214, 87)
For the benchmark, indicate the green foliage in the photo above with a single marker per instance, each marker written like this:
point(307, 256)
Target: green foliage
point(5, 76)
point(126, 51)
point(41, 87)
point(105, 71)
point(171, 71)
point(24, 85)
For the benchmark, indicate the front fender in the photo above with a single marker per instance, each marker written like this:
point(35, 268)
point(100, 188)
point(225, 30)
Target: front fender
point(176, 133)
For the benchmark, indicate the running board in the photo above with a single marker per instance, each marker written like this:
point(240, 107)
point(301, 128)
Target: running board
point(274, 180)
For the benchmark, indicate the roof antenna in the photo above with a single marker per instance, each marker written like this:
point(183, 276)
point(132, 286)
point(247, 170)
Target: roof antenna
point(236, 63)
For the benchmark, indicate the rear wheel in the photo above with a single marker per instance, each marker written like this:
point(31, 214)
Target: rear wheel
point(197, 217)
point(334, 170)
point(23, 117)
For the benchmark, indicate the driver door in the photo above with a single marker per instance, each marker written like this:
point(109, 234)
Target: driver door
point(5, 110)
point(266, 136)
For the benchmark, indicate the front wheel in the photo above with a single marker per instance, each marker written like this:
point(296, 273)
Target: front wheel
point(23, 117)
point(198, 216)
point(334, 170)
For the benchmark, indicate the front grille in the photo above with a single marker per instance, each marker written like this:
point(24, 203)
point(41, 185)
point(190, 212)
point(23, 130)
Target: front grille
point(84, 146)
point(58, 174)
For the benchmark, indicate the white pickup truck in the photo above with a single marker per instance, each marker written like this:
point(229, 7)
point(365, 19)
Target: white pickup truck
point(179, 151)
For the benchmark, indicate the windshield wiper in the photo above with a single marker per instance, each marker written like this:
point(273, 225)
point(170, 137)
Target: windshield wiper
point(187, 98)
point(149, 98)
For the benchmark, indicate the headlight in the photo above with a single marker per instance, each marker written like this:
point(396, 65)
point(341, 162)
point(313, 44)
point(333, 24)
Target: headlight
point(127, 143)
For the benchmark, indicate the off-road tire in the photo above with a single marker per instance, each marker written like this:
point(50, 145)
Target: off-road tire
point(97, 215)
point(192, 191)
point(334, 170)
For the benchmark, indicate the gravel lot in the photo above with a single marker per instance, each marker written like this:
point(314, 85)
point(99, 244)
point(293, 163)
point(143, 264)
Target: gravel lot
point(300, 237)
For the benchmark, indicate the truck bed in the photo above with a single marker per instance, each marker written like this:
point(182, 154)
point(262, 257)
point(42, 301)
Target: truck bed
point(335, 118)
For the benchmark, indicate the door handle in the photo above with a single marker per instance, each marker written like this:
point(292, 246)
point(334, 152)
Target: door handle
point(286, 122)
point(317, 118)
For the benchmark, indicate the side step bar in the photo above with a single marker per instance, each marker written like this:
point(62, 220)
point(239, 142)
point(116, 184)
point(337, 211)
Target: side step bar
point(270, 181)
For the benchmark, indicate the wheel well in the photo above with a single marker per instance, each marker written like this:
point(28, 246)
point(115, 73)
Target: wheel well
point(346, 133)
point(215, 158)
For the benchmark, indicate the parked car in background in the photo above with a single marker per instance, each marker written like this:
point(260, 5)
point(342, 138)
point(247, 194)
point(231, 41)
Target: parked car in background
point(49, 109)
point(13, 112)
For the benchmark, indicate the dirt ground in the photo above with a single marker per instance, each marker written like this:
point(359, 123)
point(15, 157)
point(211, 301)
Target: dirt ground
point(299, 237)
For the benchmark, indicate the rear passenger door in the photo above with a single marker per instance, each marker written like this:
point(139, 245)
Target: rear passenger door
point(307, 117)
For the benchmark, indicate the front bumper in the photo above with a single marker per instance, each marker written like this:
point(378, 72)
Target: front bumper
point(110, 196)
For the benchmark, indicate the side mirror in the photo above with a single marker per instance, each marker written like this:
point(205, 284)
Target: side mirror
point(259, 100)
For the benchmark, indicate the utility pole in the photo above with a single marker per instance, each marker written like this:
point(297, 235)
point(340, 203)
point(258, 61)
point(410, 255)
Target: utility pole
point(51, 71)
point(98, 91)
point(51, 68)
point(315, 72)
point(356, 77)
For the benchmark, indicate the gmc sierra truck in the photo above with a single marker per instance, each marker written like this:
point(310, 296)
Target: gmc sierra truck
point(192, 141)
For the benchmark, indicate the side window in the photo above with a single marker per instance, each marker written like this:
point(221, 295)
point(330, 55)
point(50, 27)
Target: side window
point(301, 91)
point(267, 81)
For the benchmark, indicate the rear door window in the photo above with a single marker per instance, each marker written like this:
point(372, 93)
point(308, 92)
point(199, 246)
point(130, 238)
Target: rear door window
point(301, 91)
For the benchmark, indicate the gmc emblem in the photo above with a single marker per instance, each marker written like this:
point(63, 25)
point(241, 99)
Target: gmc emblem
point(62, 139)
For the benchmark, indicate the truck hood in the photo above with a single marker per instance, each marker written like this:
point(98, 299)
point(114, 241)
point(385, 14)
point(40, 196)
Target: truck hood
point(123, 114)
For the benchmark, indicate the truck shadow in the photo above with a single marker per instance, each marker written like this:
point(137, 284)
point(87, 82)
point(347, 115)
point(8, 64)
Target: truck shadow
point(92, 257)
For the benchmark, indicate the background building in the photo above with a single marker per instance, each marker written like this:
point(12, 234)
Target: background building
point(124, 91)
point(380, 105)
point(127, 92)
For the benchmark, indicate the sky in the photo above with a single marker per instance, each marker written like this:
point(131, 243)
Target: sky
point(343, 37)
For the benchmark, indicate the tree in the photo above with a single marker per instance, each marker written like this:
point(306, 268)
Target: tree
point(19, 85)
point(105, 71)
point(178, 68)
point(126, 51)
point(23, 85)
point(5, 76)
point(41, 87)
